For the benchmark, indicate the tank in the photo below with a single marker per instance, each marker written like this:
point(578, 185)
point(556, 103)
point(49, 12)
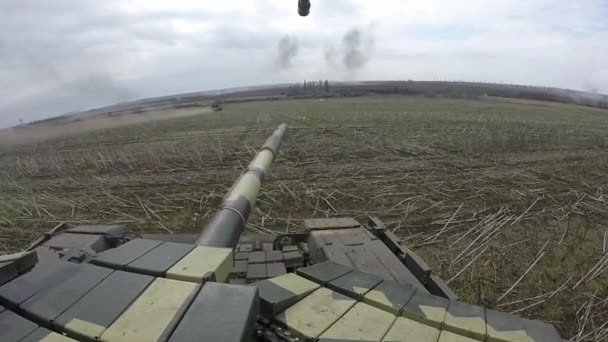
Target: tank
point(216, 106)
point(336, 279)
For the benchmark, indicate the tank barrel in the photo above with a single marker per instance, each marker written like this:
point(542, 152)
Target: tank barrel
point(226, 226)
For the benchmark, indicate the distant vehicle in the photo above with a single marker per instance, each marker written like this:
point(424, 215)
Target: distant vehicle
point(217, 106)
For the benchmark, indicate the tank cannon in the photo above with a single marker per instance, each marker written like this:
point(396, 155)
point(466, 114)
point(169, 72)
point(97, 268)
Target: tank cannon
point(226, 226)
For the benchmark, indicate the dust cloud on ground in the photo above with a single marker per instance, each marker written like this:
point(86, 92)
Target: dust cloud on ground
point(42, 131)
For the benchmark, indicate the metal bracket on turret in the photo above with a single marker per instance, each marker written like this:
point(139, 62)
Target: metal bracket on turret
point(419, 268)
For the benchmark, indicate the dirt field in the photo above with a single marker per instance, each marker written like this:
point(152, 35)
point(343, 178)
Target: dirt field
point(9, 138)
point(505, 199)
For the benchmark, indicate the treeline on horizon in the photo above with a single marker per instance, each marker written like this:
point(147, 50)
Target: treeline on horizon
point(449, 89)
point(326, 89)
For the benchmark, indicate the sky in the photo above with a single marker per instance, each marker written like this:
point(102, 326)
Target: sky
point(68, 55)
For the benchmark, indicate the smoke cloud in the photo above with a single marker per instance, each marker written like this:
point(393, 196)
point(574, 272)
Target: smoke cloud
point(354, 51)
point(287, 50)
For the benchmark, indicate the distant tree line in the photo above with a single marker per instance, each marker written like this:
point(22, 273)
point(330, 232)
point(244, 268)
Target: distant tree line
point(314, 88)
point(471, 90)
point(448, 89)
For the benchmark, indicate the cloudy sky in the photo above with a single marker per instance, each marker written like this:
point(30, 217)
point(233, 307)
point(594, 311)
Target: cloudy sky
point(65, 55)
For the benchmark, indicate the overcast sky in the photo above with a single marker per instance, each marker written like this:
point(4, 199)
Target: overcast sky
point(58, 56)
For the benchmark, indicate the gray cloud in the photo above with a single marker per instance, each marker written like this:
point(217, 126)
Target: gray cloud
point(64, 55)
point(104, 86)
point(287, 49)
point(86, 79)
point(331, 56)
point(234, 37)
